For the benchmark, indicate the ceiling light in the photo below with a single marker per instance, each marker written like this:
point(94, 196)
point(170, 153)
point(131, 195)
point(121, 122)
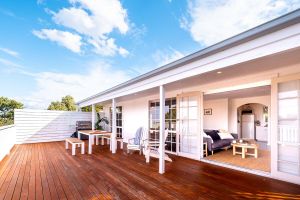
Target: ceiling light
point(219, 72)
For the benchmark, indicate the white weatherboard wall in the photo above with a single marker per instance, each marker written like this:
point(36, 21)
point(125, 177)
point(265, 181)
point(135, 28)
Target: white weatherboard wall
point(7, 140)
point(34, 126)
point(219, 118)
point(134, 115)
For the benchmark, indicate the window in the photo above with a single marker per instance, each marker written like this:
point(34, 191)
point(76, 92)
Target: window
point(170, 122)
point(289, 127)
point(119, 122)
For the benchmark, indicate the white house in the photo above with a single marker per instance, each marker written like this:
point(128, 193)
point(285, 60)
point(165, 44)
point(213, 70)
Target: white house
point(259, 66)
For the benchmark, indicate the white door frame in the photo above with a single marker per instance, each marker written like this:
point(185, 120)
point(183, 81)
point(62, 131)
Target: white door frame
point(274, 130)
point(199, 150)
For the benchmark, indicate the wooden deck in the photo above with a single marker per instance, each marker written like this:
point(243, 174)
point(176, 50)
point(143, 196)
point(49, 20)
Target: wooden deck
point(48, 171)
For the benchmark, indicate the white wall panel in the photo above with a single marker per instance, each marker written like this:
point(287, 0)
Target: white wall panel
point(34, 126)
point(7, 140)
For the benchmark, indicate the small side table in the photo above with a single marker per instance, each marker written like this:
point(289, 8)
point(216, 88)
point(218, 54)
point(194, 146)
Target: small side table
point(205, 152)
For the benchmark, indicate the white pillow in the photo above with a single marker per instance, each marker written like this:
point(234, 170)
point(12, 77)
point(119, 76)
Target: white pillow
point(207, 136)
point(225, 135)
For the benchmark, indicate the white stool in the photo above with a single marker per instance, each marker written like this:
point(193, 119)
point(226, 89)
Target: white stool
point(74, 142)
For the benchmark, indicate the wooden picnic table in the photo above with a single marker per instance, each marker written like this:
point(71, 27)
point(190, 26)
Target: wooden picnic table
point(92, 134)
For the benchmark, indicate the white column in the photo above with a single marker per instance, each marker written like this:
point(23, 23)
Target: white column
point(162, 130)
point(114, 129)
point(93, 116)
point(200, 131)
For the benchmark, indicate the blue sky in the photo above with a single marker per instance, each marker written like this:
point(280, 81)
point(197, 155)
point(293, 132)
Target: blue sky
point(49, 49)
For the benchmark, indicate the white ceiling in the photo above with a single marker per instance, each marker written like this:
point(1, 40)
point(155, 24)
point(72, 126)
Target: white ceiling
point(249, 92)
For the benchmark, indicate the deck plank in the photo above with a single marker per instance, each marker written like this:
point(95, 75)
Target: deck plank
point(44, 180)
point(16, 181)
point(25, 186)
point(8, 176)
point(66, 184)
point(19, 184)
point(48, 171)
point(57, 176)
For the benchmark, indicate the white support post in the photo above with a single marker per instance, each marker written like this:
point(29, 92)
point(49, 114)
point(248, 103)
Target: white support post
point(73, 149)
point(114, 129)
point(82, 148)
point(200, 128)
point(162, 130)
point(93, 116)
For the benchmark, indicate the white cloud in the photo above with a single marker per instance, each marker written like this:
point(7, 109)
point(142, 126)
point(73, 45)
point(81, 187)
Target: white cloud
point(94, 20)
point(103, 17)
point(107, 47)
point(211, 21)
point(40, 2)
point(63, 38)
point(10, 64)
point(166, 56)
point(10, 52)
point(160, 58)
point(123, 52)
point(52, 86)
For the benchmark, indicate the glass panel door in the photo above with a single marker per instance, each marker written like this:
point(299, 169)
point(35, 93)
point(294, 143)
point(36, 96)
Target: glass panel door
point(288, 138)
point(188, 125)
point(286, 129)
point(170, 123)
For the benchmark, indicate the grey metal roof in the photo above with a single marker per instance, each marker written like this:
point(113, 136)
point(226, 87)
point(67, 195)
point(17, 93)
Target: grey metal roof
point(256, 32)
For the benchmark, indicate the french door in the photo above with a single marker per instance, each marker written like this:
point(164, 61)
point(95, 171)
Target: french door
point(188, 125)
point(285, 153)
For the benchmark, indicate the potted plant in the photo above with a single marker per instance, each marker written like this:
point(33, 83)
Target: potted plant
point(100, 122)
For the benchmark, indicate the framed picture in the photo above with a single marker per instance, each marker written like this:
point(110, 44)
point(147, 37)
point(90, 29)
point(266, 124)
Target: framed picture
point(208, 111)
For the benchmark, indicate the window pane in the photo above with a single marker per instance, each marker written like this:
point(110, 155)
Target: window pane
point(193, 112)
point(183, 113)
point(193, 101)
point(183, 102)
point(173, 114)
point(288, 109)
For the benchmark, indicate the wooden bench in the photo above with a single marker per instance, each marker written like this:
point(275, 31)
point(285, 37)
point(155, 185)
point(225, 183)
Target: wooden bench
point(74, 142)
point(108, 139)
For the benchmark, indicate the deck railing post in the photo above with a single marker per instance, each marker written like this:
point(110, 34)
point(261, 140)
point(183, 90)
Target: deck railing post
point(114, 129)
point(162, 130)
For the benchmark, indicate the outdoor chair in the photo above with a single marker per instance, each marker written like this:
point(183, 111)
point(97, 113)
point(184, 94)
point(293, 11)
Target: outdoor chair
point(136, 143)
point(151, 149)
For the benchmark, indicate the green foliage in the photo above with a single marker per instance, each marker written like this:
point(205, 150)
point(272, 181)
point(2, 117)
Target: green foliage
point(57, 105)
point(7, 107)
point(89, 108)
point(67, 103)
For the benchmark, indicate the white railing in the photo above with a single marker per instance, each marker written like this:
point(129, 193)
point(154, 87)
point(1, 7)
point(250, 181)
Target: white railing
point(34, 126)
point(288, 134)
point(7, 140)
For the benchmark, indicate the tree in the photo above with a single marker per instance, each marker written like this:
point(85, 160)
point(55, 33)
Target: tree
point(67, 103)
point(7, 107)
point(57, 105)
point(98, 108)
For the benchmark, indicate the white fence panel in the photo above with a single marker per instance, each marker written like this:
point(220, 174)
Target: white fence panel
point(7, 140)
point(34, 126)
